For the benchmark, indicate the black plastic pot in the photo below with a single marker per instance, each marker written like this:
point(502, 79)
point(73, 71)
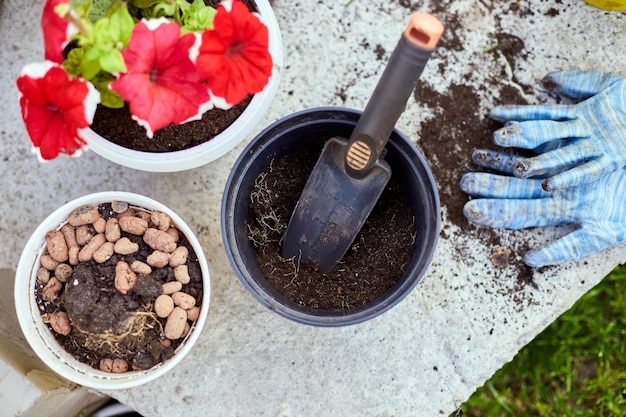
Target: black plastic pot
point(310, 129)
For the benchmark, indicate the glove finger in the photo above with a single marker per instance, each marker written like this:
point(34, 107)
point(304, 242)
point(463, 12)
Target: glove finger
point(557, 160)
point(513, 213)
point(582, 174)
point(482, 184)
point(498, 161)
point(573, 246)
point(519, 113)
point(534, 133)
point(579, 85)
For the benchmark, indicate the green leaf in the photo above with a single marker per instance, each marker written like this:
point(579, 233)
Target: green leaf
point(100, 9)
point(198, 18)
point(144, 4)
point(72, 63)
point(121, 25)
point(164, 9)
point(113, 61)
point(93, 9)
point(90, 63)
point(89, 69)
point(108, 97)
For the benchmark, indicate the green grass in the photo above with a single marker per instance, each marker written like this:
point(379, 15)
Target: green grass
point(575, 367)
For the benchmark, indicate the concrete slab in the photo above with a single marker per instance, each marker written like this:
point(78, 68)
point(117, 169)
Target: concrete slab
point(27, 387)
point(425, 356)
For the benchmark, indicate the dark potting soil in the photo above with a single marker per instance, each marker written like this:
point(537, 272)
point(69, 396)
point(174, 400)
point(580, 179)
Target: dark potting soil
point(107, 324)
point(373, 264)
point(117, 126)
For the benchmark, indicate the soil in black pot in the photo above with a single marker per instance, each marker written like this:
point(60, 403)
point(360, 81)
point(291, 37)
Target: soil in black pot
point(106, 324)
point(373, 264)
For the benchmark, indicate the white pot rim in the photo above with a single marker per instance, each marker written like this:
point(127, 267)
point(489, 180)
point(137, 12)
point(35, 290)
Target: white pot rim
point(218, 146)
point(41, 338)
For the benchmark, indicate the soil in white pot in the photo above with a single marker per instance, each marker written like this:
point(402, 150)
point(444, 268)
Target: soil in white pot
point(107, 317)
point(117, 126)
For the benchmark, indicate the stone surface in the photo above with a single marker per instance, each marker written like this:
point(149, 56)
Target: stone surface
point(427, 355)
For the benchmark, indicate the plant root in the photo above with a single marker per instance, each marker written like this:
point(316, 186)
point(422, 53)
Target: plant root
point(129, 339)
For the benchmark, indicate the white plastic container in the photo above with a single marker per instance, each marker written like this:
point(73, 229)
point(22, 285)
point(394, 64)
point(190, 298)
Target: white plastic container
point(43, 341)
point(221, 144)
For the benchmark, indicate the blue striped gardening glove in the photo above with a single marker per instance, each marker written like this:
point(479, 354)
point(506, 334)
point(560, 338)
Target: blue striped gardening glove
point(598, 208)
point(580, 142)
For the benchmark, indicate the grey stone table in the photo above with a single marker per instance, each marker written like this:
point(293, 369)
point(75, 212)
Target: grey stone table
point(465, 319)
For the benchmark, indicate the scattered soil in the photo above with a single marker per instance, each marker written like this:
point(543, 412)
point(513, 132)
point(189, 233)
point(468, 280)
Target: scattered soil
point(448, 139)
point(373, 264)
point(117, 125)
point(108, 324)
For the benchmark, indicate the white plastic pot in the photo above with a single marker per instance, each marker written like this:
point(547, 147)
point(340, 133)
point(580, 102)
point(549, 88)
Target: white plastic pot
point(218, 146)
point(42, 340)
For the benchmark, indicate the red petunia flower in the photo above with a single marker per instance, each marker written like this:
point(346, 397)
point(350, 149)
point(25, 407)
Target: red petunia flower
point(161, 84)
point(56, 31)
point(55, 108)
point(234, 54)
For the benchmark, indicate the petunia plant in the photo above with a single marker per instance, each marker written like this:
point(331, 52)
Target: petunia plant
point(169, 61)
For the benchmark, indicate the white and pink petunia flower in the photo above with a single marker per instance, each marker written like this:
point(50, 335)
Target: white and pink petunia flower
point(234, 55)
point(56, 108)
point(161, 84)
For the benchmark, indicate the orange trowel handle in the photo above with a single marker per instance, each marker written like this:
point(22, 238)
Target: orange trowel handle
point(394, 88)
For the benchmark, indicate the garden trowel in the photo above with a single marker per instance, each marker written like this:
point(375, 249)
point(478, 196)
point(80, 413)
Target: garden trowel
point(350, 175)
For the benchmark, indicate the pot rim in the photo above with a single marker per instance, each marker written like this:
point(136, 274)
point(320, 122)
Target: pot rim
point(221, 144)
point(41, 339)
point(329, 319)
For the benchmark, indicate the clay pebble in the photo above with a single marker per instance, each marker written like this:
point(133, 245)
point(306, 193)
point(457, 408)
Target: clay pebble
point(125, 247)
point(112, 230)
point(181, 273)
point(86, 253)
point(63, 272)
point(113, 365)
point(161, 220)
point(133, 225)
point(175, 324)
point(57, 247)
point(103, 253)
point(83, 215)
point(163, 305)
point(125, 278)
point(172, 287)
point(179, 256)
point(51, 290)
point(60, 322)
point(183, 300)
point(159, 240)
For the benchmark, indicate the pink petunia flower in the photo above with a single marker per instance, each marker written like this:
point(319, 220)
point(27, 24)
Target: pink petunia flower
point(55, 108)
point(56, 31)
point(234, 54)
point(161, 84)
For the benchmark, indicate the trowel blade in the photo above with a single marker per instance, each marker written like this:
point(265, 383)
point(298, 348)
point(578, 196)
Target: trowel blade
point(332, 209)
